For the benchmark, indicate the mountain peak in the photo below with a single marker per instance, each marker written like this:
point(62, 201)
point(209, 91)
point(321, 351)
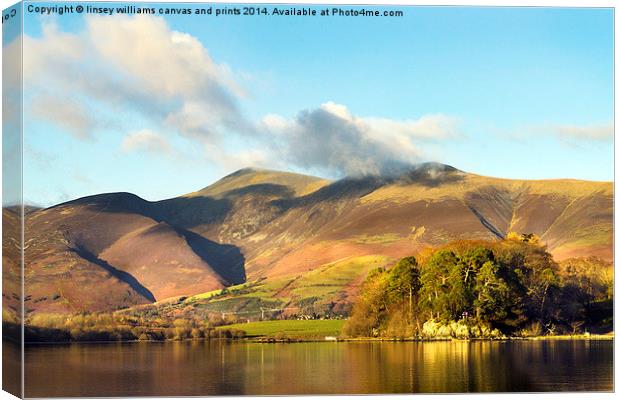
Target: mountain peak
point(435, 166)
point(244, 171)
point(298, 184)
point(430, 174)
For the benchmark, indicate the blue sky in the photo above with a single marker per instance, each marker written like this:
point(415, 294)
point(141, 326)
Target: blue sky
point(161, 106)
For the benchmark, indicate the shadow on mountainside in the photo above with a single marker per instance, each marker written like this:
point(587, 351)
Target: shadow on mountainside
point(225, 259)
point(121, 275)
point(189, 212)
point(261, 189)
point(342, 189)
point(185, 212)
point(181, 214)
point(120, 202)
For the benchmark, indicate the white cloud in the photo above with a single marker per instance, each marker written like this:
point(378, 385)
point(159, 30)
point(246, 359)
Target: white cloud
point(241, 158)
point(338, 110)
point(590, 132)
point(67, 113)
point(123, 71)
point(332, 139)
point(135, 64)
point(146, 140)
point(274, 123)
point(573, 135)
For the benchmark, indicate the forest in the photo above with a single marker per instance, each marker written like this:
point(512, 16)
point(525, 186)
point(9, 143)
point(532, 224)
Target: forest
point(483, 289)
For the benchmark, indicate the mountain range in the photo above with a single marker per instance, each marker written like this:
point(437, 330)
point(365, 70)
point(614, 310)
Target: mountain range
point(293, 238)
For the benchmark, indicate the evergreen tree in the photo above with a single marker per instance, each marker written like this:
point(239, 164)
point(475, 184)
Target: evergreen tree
point(404, 283)
point(435, 279)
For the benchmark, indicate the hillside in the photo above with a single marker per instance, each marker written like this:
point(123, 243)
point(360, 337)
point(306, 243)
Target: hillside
point(291, 241)
point(11, 280)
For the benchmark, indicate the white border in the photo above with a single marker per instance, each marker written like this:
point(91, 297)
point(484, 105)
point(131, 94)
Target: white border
point(522, 3)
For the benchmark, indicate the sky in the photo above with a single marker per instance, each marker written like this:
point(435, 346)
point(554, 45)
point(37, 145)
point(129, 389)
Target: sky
point(160, 105)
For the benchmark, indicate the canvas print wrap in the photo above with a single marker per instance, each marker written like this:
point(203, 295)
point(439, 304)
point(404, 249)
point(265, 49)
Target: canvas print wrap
point(264, 199)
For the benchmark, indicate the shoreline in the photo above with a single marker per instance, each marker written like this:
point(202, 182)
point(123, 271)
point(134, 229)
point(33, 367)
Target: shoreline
point(267, 340)
point(595, 337)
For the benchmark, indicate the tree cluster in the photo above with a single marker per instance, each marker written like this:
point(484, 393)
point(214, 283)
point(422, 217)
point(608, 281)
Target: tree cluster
point(105, 327)
point(511, 286)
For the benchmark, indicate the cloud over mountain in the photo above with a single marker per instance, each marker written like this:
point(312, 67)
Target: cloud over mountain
point(135, 74)
point(332, 139)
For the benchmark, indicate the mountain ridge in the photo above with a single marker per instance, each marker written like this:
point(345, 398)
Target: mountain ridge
point(259, 224)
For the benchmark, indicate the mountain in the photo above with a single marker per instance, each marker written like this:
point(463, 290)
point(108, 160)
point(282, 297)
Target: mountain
point(11, 268)
point(290, 240)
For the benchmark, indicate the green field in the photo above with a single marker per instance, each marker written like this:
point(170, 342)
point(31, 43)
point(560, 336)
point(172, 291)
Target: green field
point(315, 291)
point(290, 328)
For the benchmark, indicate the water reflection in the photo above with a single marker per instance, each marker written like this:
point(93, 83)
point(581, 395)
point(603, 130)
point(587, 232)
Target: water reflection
point(11, 367)
point(210, 368)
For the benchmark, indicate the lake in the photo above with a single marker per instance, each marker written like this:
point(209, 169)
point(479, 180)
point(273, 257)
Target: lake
point(238, 368)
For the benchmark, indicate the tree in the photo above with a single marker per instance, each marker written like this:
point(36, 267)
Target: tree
point(511, 285)
point(542, 283)
point(524, 237)
point(435, 288)
point(534, 277)
point(585, 284)
point(492, 293)
point(463, 278)
point(404, 282)
point(370, 310)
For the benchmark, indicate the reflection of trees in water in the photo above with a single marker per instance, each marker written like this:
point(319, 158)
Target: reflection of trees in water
point(430, 367)
point(234, 368)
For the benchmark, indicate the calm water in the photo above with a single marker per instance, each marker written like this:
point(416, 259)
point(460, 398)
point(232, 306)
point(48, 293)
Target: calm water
point(219, 368)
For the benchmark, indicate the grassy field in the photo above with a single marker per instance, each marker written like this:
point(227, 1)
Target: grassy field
point(290, 328)
point(311, 292)
point(327, 281)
